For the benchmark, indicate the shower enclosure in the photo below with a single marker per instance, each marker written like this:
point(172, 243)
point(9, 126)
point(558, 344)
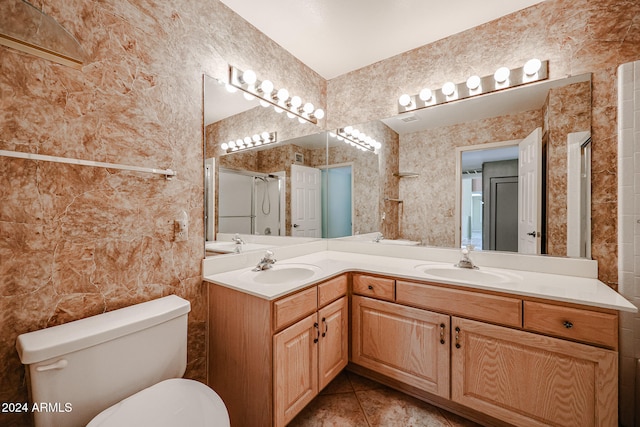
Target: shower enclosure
point(250, 202)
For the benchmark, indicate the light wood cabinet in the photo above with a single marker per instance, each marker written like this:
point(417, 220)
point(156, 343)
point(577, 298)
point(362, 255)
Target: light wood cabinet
point(264, 360)
point(307, 356)
point(532, 380)
point(404, 343)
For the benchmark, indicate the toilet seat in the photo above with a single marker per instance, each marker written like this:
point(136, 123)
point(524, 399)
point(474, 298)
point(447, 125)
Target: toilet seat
point(175, 402)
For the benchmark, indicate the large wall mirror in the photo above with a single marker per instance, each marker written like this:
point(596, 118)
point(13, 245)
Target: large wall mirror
point(263, 174)
point(452, 175)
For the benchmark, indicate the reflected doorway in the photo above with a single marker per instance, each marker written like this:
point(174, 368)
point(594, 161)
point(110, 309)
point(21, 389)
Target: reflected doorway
point(337, 201)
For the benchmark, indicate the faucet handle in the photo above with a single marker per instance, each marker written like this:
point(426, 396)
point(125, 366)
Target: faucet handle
point(268, 255)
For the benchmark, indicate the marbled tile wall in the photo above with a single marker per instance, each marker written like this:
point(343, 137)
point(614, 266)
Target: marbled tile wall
point(428, 211)
point(576, 36)
point(77, 241)
point(568, 109)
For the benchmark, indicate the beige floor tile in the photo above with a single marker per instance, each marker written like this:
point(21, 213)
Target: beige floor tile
point(331, 410)
point(361, 383)
point(340, 384)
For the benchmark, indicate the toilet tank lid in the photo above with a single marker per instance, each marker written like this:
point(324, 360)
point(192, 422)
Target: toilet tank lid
point(55, 341)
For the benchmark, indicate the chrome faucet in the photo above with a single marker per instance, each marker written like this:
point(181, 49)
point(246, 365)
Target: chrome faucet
point(239, 242)
point(465, 261)
point(378, 237)
point(266, 262)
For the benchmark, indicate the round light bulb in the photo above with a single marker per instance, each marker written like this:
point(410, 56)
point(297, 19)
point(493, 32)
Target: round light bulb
point(532, 66)
point(291, 115)
point(348, 130)
point(266, 86)
point(308, 108)
point(296, 101)
point(405, 100)
point(256, 138)
point(265, 136)
point(247, 140)
point(232, 144)
point(473, 82)
point(224, 146)
point(301, 120)
point(502, 74)
point(248, 96)
point(239, 143)
point(230, 89)
point(278, 109)
point(319, 114)
point(249, 77)
point(264, 103)
point(355, 133)
point(283, 94)
point(449, 88)
point(425, 94)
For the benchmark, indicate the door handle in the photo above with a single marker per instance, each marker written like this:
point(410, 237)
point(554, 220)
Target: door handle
point(295, 226)
point(532, 234)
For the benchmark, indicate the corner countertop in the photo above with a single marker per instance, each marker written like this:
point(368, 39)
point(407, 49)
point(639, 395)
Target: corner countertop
point(321, 265)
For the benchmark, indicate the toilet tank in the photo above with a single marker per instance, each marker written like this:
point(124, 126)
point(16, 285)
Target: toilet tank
point(78, 369)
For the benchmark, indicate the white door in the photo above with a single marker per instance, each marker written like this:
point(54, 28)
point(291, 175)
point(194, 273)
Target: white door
point(530, 193)
point(305, 202)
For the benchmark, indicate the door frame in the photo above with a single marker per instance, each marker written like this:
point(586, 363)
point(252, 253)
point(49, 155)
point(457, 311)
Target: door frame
point(458, 187)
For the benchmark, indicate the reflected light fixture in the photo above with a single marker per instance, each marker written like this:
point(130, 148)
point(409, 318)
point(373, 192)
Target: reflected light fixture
point(280, 99)
point(249, 142)
point(356, 139)
point(533, 70)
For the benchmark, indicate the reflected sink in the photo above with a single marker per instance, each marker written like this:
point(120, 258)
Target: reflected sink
point(281, 274)
point(482, 276)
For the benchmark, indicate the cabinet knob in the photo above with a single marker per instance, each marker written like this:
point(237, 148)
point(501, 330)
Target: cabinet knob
point(370, 287)
point(568, 324)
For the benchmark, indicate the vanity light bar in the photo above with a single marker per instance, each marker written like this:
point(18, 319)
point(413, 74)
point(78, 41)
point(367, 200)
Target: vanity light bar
point(356, 139)
point(534, 70)
point(280, 99)
point(250, 142)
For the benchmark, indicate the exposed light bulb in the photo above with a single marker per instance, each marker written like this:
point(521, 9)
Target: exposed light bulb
point(249, 77)
point(232, 144)
point(532, 66)
point(319, 114)
point(291, 115)
point(348, 130)
point(425, 94)
point(256, 138)
point(230, 89)
point(449, 88)
point(501, 75)
point(247, 140)
point(248, 96)
point(473, 82)
point(264, 103)
point(405, 100)
point(308, 108)
point(266, 86)
point(224, 146)
point(283, 94)
point(265, 136)
point(296, 101)
point(355, 133)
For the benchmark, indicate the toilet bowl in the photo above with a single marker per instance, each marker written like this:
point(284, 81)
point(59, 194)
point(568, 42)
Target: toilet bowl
point(120, 368)
point(170, 403)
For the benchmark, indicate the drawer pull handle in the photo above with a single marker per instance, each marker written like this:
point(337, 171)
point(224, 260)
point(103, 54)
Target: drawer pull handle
point(370, 287)
point(441, 333)
point(326, 327)
point(317, 338)
point(568, 324)
point(457, 337)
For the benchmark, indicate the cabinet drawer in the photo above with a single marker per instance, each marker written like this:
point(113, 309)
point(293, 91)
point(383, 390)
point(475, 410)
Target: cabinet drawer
point(573, 323)
point(376, 287)
point(331, 290)
point(490, 308)
point(294, 307)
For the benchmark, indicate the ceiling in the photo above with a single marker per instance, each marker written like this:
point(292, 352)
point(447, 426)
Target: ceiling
point(334, 37)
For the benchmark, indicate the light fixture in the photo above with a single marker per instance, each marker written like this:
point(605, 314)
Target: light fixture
point(357, 139)
point(534, 70)
point(249, 142)
point(280, 99)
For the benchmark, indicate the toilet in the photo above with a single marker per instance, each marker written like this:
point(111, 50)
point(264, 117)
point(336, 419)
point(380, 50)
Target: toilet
point(120, 368)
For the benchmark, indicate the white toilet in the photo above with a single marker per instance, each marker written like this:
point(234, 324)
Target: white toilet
point(121, 368)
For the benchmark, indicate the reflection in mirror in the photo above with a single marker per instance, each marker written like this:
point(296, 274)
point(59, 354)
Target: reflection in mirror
point(258, 194)
point(418, 186)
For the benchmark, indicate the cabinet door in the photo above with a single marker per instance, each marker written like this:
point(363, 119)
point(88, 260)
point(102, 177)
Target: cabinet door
point(532, 380)
point(404, 343)
point(295, 368)
point(334, 347)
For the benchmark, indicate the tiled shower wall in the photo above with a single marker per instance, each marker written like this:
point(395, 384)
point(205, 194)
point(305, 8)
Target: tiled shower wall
point(629, 235)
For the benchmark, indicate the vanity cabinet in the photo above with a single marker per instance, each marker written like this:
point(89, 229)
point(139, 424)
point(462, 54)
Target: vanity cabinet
point(268, 359)
point(307, 356)
point(404, 343)
point(532, 380)
point(509, 358)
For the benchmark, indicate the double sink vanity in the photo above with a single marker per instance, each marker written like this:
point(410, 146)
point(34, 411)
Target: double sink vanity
point(532, 344)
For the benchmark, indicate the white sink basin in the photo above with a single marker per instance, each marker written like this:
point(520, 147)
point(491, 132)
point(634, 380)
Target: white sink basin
point(281, 274)
point(482, 276)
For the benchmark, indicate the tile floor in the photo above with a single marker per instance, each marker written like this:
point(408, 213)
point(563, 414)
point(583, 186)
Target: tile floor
point(351, 400)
